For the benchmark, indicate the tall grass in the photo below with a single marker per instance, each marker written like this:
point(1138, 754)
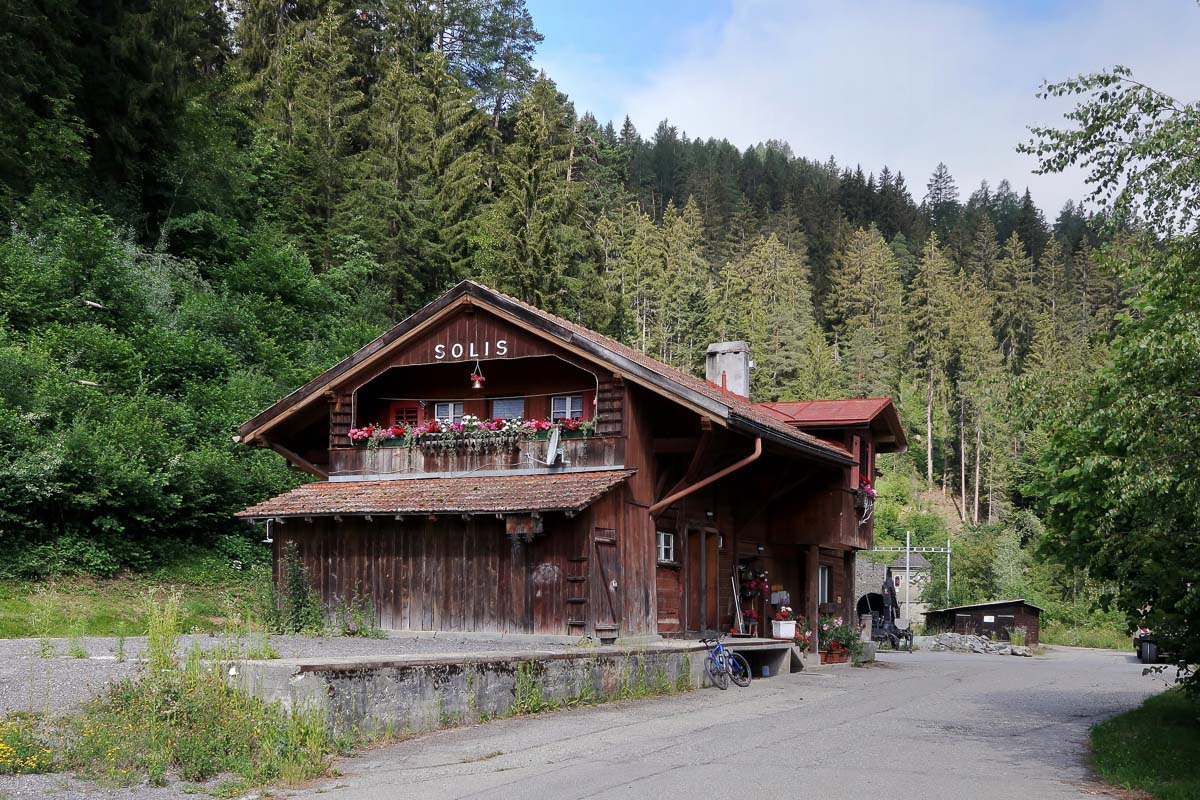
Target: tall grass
point(180, 717)
point(1104, 637)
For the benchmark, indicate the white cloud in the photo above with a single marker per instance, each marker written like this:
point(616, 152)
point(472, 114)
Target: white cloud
point(904, 84)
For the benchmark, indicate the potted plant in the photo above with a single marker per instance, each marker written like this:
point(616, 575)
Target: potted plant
point(838, 641)
point(784, 624)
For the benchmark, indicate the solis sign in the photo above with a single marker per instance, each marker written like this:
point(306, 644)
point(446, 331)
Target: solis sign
point(469, 350)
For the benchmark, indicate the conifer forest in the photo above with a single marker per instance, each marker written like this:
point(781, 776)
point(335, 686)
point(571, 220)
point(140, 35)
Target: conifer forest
point(207, 202)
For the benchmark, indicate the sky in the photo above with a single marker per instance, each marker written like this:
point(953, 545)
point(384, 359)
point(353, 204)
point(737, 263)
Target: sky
point(871, 83)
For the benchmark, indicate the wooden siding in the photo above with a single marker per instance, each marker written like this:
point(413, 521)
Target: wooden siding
point(442, 574)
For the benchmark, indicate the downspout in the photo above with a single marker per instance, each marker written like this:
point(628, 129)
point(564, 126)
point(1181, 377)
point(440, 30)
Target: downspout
point(716, 476)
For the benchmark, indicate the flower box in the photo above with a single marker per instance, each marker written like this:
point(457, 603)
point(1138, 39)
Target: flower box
point(783, 628)
point(828, 657)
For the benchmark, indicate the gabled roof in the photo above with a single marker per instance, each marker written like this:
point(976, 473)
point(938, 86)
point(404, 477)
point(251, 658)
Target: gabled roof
point(878, 412)
point(918, 562)
point(712, 401)
point(568, 491)
point(985, 605)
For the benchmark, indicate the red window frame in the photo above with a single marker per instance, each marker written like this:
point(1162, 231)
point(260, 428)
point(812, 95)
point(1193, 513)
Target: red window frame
point(400, 412)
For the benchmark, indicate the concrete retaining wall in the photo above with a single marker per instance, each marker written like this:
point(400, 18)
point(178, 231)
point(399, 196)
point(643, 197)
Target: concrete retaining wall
point(408, 695)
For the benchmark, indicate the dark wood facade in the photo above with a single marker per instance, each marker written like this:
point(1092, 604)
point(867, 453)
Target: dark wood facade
point(994, 620)
point(788, 508)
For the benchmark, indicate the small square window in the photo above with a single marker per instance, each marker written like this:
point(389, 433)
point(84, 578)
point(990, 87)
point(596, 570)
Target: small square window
point(566, 406)
point(448, 412)
point(508, 407)
point(666, 547)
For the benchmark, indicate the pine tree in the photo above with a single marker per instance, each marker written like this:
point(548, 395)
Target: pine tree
point(1016, 302)
point(928, 326)
point(866, 295)
point(529, 241)
point(684, 286)
point(941, 201)
point(316, 111)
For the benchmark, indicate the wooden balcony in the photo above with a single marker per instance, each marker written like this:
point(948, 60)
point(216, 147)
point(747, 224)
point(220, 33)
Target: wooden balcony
point(529, 455)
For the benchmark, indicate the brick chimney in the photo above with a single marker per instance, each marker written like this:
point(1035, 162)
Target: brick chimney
point(727, 364)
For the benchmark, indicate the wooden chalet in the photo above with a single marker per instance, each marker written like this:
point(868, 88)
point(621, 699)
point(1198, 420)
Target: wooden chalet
point(543, 478)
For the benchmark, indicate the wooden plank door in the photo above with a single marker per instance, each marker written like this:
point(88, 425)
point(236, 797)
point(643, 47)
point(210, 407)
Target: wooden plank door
point(701, 585)
point(606, 602)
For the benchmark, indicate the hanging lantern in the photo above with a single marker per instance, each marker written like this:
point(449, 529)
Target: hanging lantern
point(477, 378)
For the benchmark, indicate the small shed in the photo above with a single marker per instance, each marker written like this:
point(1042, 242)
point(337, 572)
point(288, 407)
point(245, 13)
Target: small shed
point(994, 619)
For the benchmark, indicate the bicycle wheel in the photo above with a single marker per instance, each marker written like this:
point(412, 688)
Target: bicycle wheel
point(716, 673)
point(739, 669)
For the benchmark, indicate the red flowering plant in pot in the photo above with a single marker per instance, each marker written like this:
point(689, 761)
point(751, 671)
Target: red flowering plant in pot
point(784, 624)
point(838, 640)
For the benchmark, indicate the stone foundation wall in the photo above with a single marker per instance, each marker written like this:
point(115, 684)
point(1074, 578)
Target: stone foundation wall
point(395, 697)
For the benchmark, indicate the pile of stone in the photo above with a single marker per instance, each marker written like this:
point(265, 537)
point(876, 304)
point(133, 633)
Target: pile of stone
point(969, 643)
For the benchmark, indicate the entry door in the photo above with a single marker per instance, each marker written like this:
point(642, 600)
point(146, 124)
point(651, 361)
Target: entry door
point(606, 602)
point(701, 579)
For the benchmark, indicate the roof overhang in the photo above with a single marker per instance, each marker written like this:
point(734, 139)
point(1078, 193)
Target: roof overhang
point(493, 495)
point(468, 293)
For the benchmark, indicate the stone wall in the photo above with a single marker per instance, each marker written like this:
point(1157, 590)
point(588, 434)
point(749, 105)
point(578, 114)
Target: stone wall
point(407, 696)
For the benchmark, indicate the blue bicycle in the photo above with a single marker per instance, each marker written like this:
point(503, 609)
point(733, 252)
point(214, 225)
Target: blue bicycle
point(723, 666)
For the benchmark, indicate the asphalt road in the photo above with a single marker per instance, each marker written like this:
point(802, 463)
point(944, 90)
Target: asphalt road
point(927, 725)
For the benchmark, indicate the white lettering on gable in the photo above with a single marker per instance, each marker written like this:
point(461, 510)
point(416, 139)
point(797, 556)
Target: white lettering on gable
point(470, 350)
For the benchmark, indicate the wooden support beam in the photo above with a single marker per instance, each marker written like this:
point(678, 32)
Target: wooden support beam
point(812, 596)
point(679, 444)
point(303, 464)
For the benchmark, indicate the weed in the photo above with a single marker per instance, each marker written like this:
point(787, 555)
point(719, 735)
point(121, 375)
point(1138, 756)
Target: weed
point(47, 648)
point(22, 751)
point(120, 649)
point(184, 719)
point(1017, 636)
point(261, 648)
point(356, 617)
point(75, 647)
point(527, 693)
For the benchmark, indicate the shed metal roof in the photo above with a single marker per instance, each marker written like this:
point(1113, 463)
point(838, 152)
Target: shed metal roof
point(985, 605)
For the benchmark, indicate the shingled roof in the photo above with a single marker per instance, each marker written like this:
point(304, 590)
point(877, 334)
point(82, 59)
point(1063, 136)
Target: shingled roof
point(731, 409)
point(500, 494)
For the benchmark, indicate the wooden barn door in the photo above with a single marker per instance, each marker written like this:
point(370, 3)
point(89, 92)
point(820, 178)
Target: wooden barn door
point(606, 604)
point(702, 575)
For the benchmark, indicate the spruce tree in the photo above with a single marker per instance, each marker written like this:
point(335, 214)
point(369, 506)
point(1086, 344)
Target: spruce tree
point(928, 325)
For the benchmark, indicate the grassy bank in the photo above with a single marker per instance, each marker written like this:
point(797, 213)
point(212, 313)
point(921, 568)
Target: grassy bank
point(1110, 638)
point(1154, 748)
point(209, 584)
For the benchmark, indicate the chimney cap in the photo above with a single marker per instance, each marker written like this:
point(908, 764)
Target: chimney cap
point(728, 347)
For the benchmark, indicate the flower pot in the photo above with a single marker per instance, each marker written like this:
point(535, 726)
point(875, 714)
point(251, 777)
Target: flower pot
point(783, 628)
point(834, 658)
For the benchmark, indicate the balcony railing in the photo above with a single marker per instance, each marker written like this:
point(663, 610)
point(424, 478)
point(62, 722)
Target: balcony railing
point(524, 455)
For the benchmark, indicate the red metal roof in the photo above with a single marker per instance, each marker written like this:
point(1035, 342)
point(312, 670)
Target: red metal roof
point(567, 491)
point(875, 411)
point(857, 411)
